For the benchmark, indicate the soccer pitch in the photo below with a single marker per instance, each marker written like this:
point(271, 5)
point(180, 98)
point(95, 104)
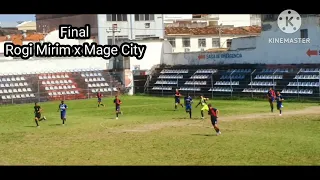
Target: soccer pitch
point(151, 133)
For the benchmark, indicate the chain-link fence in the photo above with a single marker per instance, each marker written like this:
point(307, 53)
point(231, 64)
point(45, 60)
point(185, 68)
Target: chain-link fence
point(27, 88)
point(293, 84)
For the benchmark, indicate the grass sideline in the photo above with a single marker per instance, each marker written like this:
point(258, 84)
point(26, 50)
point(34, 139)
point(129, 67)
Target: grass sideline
point(151, 133)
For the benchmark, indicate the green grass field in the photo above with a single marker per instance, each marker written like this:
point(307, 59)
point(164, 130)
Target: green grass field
point(151, 133)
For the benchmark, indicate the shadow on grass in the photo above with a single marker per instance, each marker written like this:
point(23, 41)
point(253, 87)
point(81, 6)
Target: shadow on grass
point(316, 120)
point(204, 134)
point(177, 118)
point(55, 125)
point(31, 126)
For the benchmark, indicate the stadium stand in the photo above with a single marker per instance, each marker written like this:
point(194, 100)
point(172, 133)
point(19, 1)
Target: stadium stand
point(245, 80)
point(169, 79)
point(15, 87)
point(75, 84)
point(229, 79)
point(265, 79)
point(58, 85)
point(305, 82)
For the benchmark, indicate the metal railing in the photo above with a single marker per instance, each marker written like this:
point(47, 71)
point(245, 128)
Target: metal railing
point(277, 79)
point(37, 90)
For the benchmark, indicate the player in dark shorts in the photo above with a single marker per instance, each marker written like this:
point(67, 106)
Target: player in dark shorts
point(214, 113)
point(117, 102)
point(177, 102)
point(99, 96)
point(37, 114)
point(271, 97)
point(188, 104)
point(63, 112)
point(279, 100)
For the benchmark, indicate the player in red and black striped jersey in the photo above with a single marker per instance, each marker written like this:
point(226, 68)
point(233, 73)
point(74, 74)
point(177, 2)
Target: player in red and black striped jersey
point(271, 97)
point(117, 102)
point(177, 102)
point(214, 113)
point(99, 96)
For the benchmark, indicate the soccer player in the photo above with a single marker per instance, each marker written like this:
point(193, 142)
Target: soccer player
point(214, 113)
point(37, 114)
point(63, 112)
point(203, 103)
point(99, 96)
point(279, 100)
point(117, 102)
point(187, 102)
point(177, 102)
point(271, 97)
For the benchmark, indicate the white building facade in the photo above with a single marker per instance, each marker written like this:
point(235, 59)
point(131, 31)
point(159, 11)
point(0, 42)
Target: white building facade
point(236, 20)
point(129, 27)
point(188, 42)
point(198, 43)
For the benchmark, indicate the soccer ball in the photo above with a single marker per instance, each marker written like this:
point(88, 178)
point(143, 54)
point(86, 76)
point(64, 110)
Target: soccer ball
point(207, 99)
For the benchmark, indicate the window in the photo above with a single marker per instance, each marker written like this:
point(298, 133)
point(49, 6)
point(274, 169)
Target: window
point(255, 16)
point(172, 41)
point(117, 17)
point(186, 50)
point(216, 42)
point(202, 43)
point(144, 17)
point(186, 42)
point(118, 39)
point(147, 25)
point(304, 33)
point(229, 43)
point(109, 41)
point(141, 37)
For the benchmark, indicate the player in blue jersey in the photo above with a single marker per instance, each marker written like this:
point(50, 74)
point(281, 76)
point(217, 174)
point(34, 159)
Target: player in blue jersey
point(279, 100)
point(188, 104)
point(63, 111)
point(177, 102)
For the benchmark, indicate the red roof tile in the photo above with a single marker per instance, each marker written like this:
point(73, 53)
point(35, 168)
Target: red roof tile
point(250, 30)
point(18, 38)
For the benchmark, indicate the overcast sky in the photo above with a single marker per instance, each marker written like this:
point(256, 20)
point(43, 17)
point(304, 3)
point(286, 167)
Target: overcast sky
point(17, 17)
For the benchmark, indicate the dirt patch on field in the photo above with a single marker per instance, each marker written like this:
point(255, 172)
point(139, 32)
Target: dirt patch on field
point(158, 126)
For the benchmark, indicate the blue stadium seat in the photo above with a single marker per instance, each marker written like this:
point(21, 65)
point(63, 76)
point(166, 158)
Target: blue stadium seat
point(164, 88)
point(201, 83)
point(227, 83)
point(255, 90)
point(295, 91)
point(174, 71)
point(221, 89)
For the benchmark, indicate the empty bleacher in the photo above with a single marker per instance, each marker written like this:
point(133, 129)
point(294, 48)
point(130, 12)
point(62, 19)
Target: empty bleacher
point(58, 85)
point(169, 79)
point(230, 80)
point(74, 84)
point(264, 79)
point(199, 80)
point(96, 82)
point(15, 87)
point(305, 82)
point(249, 80)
